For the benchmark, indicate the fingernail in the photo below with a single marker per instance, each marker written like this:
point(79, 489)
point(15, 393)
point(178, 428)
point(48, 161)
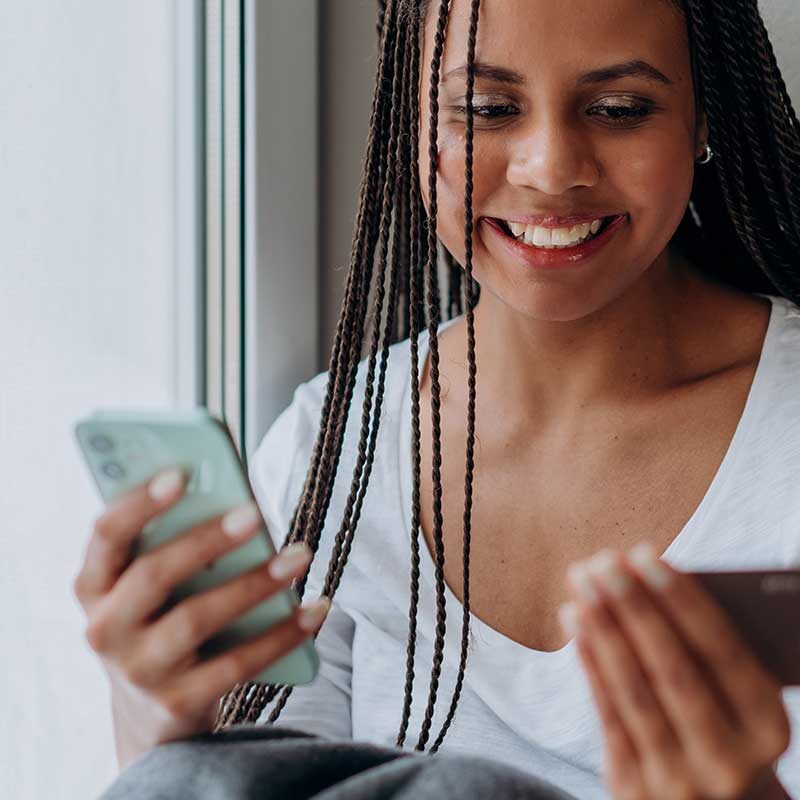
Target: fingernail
point(165, 483)
point(643, 555)
point(568, 616)
point(240, 522)
point(579, 577)
point(607, 570)
point(289, 561)
point(311, 615)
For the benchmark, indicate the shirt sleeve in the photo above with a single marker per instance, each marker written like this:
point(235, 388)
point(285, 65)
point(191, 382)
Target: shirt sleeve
point(277, 475)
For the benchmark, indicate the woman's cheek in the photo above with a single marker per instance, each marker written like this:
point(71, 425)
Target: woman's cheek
point(451, 187)
point(663, 164)
point(451, 192)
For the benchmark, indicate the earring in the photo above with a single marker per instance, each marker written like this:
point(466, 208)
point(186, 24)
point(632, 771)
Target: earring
point(707, 156)
point(695, 215)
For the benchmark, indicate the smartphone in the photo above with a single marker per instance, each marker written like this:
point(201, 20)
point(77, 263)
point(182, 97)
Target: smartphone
point(764, 605)
point(123, 448)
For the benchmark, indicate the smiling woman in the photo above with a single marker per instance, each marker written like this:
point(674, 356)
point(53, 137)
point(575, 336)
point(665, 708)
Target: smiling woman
point(636, 325)
point(619, 133)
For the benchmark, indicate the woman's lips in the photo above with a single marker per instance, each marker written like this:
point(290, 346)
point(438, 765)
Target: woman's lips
point(552, 258)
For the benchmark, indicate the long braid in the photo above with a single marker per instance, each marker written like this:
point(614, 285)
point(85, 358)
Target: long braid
point(472, 369)
point(392, 21)
point(366, 212)
point(365, 458)
point(349, 369)
point(322, 501)
point(343, 343)
point(332, 440)
point(433, 321)
point(329, 467)
point(415, 322)
point(362, 264)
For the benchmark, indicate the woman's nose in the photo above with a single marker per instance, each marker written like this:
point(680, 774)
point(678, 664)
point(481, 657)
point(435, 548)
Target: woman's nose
point(552, 158)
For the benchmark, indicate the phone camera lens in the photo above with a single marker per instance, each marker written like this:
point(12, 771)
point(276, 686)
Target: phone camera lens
point(101, 443)
point(112, 469)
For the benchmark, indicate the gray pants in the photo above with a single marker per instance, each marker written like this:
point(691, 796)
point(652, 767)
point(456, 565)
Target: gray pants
point(266, 762)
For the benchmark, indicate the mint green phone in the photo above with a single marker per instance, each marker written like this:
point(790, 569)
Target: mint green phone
point(124, 448)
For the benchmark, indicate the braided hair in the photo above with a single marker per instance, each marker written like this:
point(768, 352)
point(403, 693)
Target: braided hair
point(742, 226)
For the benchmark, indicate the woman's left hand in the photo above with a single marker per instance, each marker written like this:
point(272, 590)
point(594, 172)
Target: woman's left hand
point(688, 711)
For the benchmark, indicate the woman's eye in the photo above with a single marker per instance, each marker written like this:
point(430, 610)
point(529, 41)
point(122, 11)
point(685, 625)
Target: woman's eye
point(487, 111)
point(617, 114)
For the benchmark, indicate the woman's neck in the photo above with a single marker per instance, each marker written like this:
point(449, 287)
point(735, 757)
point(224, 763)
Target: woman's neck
point(636, 345)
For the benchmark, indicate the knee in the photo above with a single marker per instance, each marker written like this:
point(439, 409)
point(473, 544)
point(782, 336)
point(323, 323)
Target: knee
point(467, 776)
point(174, 769)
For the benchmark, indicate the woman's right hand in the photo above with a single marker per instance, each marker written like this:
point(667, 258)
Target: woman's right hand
point(160, 689)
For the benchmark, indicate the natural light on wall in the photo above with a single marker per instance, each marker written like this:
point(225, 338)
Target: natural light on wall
point(87, 246)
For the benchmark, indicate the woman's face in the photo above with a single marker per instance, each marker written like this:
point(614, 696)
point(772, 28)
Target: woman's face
point(554, 141)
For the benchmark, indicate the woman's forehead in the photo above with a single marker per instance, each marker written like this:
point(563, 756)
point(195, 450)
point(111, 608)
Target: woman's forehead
point(532, 36)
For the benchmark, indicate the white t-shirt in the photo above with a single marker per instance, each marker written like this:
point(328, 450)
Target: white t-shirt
point(529, 708)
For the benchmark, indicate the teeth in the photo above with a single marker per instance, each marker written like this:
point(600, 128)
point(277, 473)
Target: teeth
point(560, 236)
point(554, 237)
point(538, 236)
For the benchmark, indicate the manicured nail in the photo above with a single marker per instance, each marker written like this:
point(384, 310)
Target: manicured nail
point(578, 575)
point(165, 483)
point(643, 556)
point(605, 567)
point(568, 617)
point(242, 520)
point(312, 614)
point(289, 561)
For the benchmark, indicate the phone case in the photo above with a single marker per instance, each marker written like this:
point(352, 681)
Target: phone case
point(764, 606)
point(124, 448)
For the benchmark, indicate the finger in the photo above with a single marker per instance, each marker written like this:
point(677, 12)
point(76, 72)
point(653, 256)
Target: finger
point(212, 678)
point(686, 694)
point(117, 528)
point(750, 691)
point(184, 628)
point(147, 584)
point(621, 759)
point(628, 685)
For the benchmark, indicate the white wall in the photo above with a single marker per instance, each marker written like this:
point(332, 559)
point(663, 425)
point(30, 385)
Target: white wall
point(782, 18)
point(87, 224)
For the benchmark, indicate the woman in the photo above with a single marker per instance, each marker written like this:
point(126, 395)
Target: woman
point(635, 339)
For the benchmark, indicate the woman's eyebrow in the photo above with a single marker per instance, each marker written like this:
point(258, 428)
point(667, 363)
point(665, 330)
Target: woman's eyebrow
point(491, 72)
point(626, 69)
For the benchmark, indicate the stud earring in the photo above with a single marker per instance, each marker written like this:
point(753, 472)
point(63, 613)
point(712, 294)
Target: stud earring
point(707, 156)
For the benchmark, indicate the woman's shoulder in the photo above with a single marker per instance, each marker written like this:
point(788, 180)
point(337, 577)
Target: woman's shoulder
point(785, 352)
point(280, 462)
point(775, 394)
point(779, 406)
